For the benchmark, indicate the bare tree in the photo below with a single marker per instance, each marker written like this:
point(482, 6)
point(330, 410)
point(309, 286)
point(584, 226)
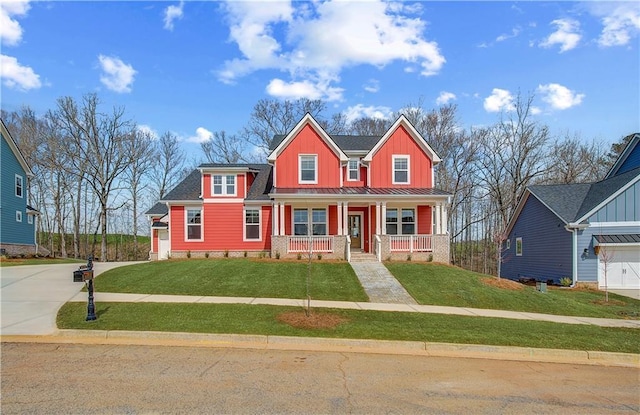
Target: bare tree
point(167, 171)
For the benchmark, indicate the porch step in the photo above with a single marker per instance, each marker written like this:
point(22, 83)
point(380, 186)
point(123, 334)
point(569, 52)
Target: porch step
point(363, 257)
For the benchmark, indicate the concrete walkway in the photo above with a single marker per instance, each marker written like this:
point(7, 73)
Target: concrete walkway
point(406, 308)
point(380, 285)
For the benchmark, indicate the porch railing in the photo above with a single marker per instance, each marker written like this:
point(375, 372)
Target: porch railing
point(316, 243)
point(410, 243)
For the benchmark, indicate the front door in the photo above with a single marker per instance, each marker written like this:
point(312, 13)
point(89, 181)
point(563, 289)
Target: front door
point(355, 231)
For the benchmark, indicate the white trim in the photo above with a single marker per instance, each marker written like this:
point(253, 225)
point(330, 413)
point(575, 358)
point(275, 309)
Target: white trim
point(186, 223)
point(614, 224)
point(244, 224)
point(315, 166)
point(357, 161)
point(18, 216)
point(22, 188)
point(609, 199)
point(519, 239)
point(395, 157)
point(224, 185)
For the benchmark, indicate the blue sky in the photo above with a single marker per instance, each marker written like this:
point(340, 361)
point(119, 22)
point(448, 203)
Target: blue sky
point(196, 67)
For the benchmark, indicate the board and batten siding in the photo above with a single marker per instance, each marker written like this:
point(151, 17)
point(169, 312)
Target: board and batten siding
point(12, 231)
point(546, 245)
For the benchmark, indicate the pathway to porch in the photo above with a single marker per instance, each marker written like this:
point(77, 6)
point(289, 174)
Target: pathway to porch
point(379, 284)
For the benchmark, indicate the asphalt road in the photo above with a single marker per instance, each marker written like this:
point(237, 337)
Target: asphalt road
point(73, 378)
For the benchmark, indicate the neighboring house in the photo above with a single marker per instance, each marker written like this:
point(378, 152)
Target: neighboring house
point(580, 231)
point(17, 218)
point(332, 193)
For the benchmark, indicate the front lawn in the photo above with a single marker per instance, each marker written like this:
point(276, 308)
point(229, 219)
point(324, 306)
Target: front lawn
point(359, 324)
point(231, 277)
point(437, 284)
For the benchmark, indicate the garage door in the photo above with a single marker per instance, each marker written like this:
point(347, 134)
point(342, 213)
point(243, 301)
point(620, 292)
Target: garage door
point(623, 268)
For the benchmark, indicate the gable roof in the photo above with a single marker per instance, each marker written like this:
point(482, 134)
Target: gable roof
point(632, 145)
point(404, 122)
point(15, 149)
point(574, 203)
point(307, 120)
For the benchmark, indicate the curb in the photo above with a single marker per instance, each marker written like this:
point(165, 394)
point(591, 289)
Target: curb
point(323, 344)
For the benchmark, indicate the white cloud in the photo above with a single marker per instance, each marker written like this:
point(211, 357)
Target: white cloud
point(202, 136)
point(445, 97)
point(10, 29)
point(172, 13)
point(499, 100)
point(360, 111)
point(17, 76)
point(621, 22)
point(316, 40)
point(567, 35)
point(559, 97)
point(117, 75)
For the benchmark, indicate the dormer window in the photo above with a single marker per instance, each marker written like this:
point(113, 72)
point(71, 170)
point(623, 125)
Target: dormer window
point(308, 169)
point(353, 170)
point(400, 169)
point(224, 185)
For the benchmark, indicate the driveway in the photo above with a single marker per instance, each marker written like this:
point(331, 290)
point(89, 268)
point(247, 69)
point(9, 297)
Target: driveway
point(31, 295)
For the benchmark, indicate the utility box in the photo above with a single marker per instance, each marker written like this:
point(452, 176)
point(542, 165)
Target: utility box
point(541, 286)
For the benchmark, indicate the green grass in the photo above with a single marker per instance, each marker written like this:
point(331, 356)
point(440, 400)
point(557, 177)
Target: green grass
point(436, 284)
point(262, 319)
point(38, 261)
point(232, 277)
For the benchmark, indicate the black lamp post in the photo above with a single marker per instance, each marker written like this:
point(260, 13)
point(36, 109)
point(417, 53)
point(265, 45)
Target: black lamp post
point(88, 276)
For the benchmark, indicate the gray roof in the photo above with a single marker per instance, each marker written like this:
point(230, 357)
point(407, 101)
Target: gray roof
point(362, 143)
point(571, 202)
point(359, 191)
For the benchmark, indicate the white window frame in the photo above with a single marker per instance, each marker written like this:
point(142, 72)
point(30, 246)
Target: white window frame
point(519, 246)
point(315, 172)
point(186, 224)
point(310, 221)
point(245, 224)
point(19, 184)
point(393, 168)
point(18, 216)
point(357, 170)
point(224, 184)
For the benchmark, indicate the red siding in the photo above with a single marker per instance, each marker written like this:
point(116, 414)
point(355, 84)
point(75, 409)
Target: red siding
point(307, 142)
point(424, 220)
point(401, 143)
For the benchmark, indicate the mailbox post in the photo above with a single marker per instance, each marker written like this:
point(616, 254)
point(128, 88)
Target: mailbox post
point(87, 277)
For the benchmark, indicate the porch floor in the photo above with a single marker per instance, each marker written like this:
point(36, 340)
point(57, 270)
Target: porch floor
point(380, 285)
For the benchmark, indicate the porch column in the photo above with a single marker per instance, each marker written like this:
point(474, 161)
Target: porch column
point(345, 217)
point(383, 218)
point(444, 219)
point(377, 218)
point(438, 225)
point(274, 213)
point(339, 210)
point(281, 208)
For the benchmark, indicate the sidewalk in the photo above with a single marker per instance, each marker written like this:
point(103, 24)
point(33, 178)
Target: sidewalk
point(406, 308)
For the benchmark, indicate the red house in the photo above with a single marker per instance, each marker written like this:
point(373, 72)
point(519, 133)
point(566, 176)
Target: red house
point(333, 194)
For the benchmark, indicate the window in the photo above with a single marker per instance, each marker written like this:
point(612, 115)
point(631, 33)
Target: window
point(301, 222)
point(224, 185)
point(353, 170)
point(518, 246)
point(392, 221)
point(400, 169)
point(19, 186)
point(30, 219)
point(18, 216)
point(408, 222)
point(194, 224)
point(308, 169)
point(252, 224)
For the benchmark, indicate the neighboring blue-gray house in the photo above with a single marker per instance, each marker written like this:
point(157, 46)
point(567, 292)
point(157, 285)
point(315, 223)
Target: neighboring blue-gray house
point(17, 218)
point(580, 230)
